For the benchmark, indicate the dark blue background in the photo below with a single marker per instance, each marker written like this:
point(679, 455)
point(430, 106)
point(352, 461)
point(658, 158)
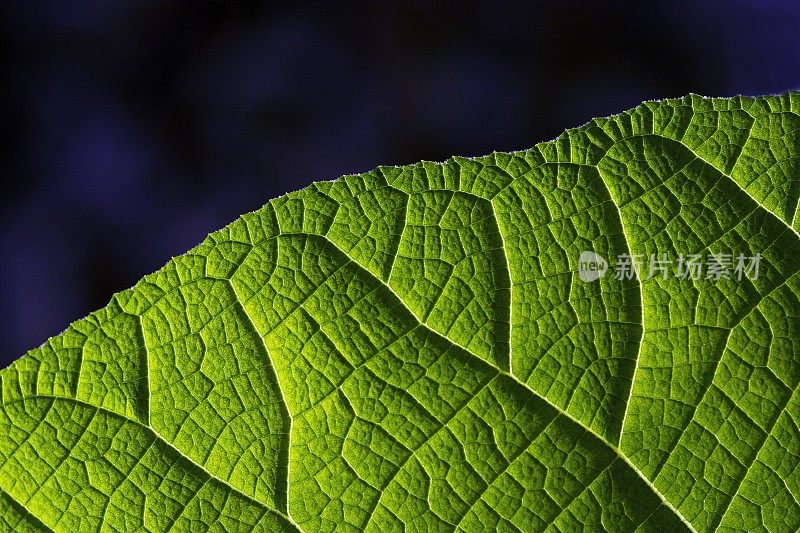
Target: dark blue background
point(139, 127)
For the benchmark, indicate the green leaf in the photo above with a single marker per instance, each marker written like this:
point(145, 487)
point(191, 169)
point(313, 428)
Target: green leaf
point(414, 348)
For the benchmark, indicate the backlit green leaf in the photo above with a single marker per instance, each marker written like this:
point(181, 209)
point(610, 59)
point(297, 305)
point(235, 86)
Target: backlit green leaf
point(415, 348)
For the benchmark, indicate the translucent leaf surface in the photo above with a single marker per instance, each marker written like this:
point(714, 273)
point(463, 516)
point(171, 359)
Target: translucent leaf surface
point(413, 348)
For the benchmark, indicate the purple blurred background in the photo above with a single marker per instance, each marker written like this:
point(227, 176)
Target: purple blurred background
point(139, 127)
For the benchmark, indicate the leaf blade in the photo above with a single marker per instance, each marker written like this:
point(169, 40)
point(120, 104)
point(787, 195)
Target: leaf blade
point(412, 347)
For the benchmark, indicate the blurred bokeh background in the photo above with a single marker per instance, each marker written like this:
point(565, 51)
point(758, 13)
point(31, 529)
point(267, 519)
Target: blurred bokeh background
point(136, 128)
